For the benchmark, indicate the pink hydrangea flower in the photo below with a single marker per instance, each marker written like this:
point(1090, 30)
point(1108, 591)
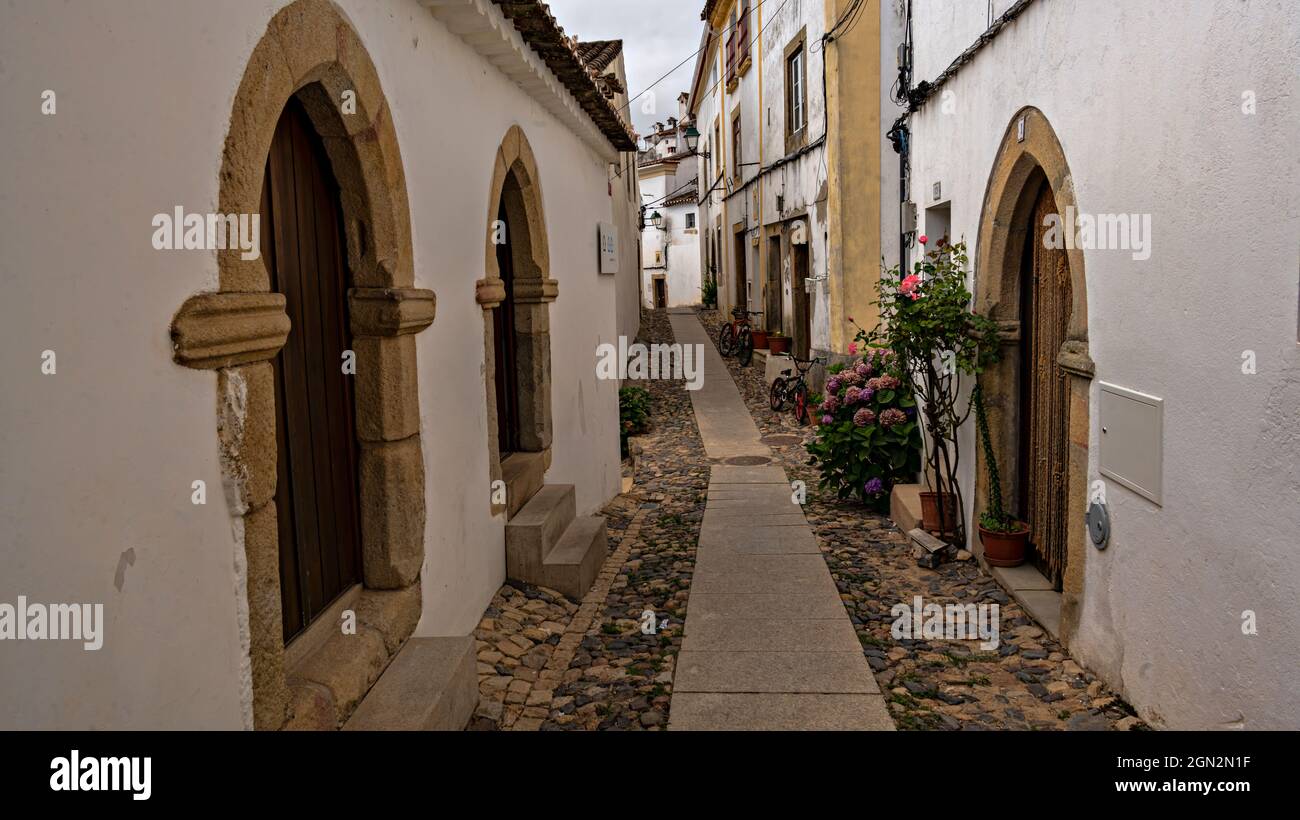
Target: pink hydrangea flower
point(862, 369)
point(892, 416)
point(833, 384)
point(828, 419)
point(851, 396)
point(863, 417)
point(887, 382)
point(831, 404)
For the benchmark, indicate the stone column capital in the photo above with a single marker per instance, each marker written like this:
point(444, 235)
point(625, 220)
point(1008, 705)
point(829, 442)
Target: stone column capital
point(391, 311)
point(215, 330)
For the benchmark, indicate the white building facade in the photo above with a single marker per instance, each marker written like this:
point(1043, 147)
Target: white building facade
point(1169, 130)
point(670, 239)
point(141, 467)
point(757, 103)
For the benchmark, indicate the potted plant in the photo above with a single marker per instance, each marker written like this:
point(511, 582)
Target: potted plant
point(934, 509)
point(709, 292)
point(926, 320)
point(760, 338)
point(778, 343)
point(1004, 537)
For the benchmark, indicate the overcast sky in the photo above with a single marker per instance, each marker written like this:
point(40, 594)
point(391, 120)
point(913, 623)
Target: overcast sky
point(656, 35)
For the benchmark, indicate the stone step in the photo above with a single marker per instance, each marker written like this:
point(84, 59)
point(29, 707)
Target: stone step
point(571, 567)
point(905, 506)
point(523, 474)
point(432, 685)
point(535, 530)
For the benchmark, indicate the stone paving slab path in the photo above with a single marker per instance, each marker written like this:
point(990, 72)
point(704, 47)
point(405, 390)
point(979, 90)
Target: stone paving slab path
point(768, 645)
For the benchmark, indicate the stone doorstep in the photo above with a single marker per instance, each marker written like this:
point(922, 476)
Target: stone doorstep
point(430, 686)
point(523, 474)
point(534, 531)
point(905, 506)
point(1033, 592)
point(572, 565)
point(774, 364)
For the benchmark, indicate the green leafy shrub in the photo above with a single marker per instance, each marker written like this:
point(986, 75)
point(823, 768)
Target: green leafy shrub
point(868, 439)
point(709, 292)
point(633, 413)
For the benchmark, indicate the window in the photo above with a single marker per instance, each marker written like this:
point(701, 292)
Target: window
point(716, 160)
point(796, 93)
point(690, 221)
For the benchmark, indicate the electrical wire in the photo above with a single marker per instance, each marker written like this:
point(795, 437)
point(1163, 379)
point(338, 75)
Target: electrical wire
point(713, 87)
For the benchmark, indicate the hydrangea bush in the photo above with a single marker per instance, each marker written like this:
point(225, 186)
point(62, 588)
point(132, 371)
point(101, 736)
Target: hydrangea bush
point(868, 439)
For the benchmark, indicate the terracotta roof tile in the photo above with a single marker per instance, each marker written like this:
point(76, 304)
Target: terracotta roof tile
point(535, 23)
point(598, 54)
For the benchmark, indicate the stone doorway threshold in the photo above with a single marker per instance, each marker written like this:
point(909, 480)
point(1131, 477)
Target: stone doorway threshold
point(1033, 592)
point(1024, 583)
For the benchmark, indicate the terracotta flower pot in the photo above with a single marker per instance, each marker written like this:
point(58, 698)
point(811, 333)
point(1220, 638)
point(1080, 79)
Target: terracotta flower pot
point(778, 344)
point(930, 513)
point(760, 339)
point(1005, 549)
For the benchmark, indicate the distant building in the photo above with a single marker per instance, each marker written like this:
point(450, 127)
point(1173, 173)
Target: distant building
point(670, 239)
point(795, 205)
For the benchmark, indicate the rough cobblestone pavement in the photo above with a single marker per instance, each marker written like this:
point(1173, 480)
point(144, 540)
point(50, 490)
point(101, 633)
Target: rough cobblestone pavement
point(552, 664)
point(1029, 682)
point(549, 663)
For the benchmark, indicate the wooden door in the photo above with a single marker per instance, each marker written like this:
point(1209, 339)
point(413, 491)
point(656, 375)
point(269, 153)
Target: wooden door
point(801, 342)
point(661, 293)
point(742, 278)
point(505, 348)
point(1045, 315)
point(773, 304)
point(316, 491)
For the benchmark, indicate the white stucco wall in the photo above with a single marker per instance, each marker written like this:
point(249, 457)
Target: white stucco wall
point(626, 196)
point(99, 458)
point(1146, 99)
point(673, 251)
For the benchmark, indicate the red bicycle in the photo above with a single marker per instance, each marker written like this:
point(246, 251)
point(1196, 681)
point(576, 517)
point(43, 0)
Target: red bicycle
point(735, 336)
point(789, 388)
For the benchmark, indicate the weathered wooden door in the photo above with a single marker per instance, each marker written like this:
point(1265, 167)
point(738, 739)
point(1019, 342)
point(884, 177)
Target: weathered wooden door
point(801, 342)
point(1045, 315)
point(316, 492)
point(661, 293)
point(505, 347)
point(742, 276)
point(775, 296)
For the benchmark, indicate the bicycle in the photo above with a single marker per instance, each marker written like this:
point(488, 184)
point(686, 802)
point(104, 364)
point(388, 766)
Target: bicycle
point(787, 388)
point(735, 336)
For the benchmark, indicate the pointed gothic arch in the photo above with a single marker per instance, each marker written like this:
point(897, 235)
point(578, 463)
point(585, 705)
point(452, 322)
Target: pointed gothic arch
point(523, 295)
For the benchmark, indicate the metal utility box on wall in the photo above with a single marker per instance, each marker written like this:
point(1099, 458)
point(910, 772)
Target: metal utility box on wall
point(1132, 439)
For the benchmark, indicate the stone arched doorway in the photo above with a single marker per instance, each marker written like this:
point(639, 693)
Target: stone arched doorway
point(1038, 398)
point(515, 294)
point(311, 57)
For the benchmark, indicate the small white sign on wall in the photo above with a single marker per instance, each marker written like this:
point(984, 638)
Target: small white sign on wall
point(607, 240)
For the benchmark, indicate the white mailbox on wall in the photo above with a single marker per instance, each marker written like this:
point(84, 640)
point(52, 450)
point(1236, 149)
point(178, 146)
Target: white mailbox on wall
point(1132, 439)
